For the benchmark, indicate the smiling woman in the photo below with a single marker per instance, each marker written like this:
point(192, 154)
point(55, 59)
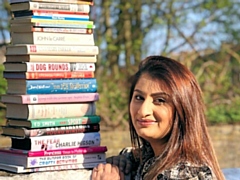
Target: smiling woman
point(167, 126)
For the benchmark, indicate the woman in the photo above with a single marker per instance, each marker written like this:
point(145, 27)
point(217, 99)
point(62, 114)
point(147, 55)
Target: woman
point(167, 126)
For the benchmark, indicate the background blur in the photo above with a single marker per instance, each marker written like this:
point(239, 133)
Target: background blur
point(203, 35)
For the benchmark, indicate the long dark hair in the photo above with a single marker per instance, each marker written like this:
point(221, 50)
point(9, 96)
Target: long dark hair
point(189, 139)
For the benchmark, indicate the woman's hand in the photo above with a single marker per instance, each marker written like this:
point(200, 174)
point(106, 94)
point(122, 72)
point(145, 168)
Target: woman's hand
point(107, 172)
point(121, 162)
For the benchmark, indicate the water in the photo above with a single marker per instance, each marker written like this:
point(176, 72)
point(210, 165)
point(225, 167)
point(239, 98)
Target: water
point(232, 173)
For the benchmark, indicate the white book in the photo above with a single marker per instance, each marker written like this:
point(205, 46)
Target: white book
point(41, 161)
point(52, 38)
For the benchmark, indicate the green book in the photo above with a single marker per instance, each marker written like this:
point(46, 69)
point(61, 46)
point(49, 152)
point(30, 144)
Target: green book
point(42, 123)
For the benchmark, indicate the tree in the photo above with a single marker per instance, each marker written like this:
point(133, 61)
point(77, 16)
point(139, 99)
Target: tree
point(128, 31)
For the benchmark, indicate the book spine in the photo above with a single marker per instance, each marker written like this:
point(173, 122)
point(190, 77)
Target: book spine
point(19, 14)
point(55, 6)
point(51, 98)
point(62, 25)
point(58, 122)
point(43, 111)
point(61, 50)
point(64, 159)
point(49, 75)
point(83, 128)
point(86, 150)
point(60, 86)
point(62, 30)
point(57, 142)
point(59, 67)
point(52, 38)
point(61, 17)
point(55, 1)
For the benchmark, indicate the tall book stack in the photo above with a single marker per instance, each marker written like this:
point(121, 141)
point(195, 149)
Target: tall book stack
point(52, 90)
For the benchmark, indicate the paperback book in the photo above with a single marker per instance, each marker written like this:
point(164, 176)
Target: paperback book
point(57, 142)
point(56, 122)
point(21, 132)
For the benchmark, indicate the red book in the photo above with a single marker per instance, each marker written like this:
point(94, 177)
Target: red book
point(49, 75)
point(80, 150)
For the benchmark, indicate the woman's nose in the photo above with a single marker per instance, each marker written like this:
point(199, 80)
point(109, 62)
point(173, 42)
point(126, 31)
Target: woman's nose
point(145, 109)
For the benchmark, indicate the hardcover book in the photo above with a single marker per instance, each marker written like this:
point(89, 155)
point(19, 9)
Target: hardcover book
point(50, 58)
point(43, 111)
point(52, 38)
point(41, 161)
point(57, 142)
point(56, 122)
point(26, 49)
point(84, 8)
point(79, 150)
point(26, 133)
point(49, 98)
point(48, 75)
point(47, 67)
point(55, 86)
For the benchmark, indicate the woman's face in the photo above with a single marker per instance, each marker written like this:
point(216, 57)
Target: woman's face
point(151, 109)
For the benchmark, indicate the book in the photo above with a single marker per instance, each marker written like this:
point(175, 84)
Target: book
point(57, 122)
point(21, 132)
point(49, 58)
point(30, 28)
point(48, 75)
point(84, 8)
point(54, 21)
point(79, 150)
point(41, 161)
point(55, 86)
point(44, 111)
point(48, 67)
point(52, 38)
point(57, 142)
point(33, 13)
point(90, 2)
point(57, 17)
point(52, 24)
point(49, 98)
point(26, 49)
point(21, 169)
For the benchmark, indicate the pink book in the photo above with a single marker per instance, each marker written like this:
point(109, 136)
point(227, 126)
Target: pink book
point(49, 98)
point(80, 150)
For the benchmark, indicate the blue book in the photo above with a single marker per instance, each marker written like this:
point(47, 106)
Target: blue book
point(56, 86)
point(60, 18)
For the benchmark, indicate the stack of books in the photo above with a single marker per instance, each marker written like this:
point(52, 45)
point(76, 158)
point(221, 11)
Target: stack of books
point(52, 90)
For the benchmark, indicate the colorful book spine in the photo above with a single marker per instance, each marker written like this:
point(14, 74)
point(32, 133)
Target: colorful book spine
point(48, 75)
point(80, 150)
point(48, 67)
point(57, 24)
point(21, 169)
point(50, 6)
point(51, 50)
point(31, 162)
point(50, 98)
point(54, 1)
point(43, 111)
point(56, 86)
point(52, 38)
point(26, 133)
point(58, 122)
point(60, 17)
point(57, 142)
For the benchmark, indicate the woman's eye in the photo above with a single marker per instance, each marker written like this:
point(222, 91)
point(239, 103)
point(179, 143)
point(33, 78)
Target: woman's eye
point(159, 101)
point(137, 97)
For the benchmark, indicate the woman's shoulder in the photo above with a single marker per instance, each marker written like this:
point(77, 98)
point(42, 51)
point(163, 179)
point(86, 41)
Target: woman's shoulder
point(185, 170)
